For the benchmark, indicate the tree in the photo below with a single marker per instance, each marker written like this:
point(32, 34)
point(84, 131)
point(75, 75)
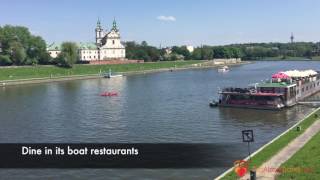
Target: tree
point(68, 55)
point(37, 50)
point(144, 44)
point(182, 51)
point(153, 53)
point(18, 53)
point(196, 54)
point(236, 52)
point(21, 46)
point(206, 53)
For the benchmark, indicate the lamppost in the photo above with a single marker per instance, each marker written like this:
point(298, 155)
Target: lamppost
point(247, 136)
point(31, 50)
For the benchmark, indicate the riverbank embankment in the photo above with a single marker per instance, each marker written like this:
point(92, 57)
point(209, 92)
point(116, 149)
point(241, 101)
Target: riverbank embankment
point(53, 74)
point(269, 150)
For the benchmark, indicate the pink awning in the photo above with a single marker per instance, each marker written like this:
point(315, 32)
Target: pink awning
point(280, 75)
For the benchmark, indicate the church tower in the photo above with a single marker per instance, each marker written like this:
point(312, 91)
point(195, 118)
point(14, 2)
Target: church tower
point(114, 25)
point(99, 34)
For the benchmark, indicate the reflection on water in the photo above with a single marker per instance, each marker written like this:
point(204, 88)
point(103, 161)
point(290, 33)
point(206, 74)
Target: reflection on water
point(150, 108)
point(263, 117)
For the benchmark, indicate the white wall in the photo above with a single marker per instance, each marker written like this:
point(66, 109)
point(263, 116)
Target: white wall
point(112, 53)
point(88, 55)
point(113, 49)
point(54, 53)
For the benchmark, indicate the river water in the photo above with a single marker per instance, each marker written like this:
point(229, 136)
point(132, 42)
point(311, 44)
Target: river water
point(151, 108)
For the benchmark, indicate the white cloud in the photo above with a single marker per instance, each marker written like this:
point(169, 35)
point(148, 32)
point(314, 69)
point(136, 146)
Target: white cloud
point(166, 18)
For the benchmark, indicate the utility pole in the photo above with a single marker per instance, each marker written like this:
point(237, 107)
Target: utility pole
point(291, 38)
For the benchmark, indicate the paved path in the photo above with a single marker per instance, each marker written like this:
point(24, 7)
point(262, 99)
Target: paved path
point(267, 170)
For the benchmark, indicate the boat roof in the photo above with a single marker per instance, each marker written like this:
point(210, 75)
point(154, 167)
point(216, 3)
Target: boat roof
point(254, 94)
point(273, 84)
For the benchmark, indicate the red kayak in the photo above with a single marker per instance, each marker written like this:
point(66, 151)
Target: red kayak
point(109, 94)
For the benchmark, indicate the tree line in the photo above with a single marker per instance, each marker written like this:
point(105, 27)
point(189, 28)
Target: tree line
point(19, 47)
point(249, 51)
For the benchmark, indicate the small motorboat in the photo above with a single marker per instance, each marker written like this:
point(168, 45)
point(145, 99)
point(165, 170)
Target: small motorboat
point(223, 69)
point(213, 103)
point(109, 94)
point(110, 75)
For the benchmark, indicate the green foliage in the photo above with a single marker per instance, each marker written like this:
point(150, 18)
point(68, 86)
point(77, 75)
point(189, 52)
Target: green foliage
point(21, 46)
point(5, 60)
point(182, 51)
point(305, 162)
point(203, 53)
point(24, 48)
point(68, 55)
point(197, 54)
point(18, 53)
point(142, 51)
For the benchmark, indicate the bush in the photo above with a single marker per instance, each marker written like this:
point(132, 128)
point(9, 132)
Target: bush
point(5, 60)
point(30, 61)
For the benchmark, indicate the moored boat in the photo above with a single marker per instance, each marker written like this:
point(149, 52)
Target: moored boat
point(223, 69)
point(284, 89)
point(110, 75)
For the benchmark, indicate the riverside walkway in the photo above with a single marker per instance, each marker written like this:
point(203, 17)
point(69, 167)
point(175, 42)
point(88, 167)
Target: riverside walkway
point(268, 170)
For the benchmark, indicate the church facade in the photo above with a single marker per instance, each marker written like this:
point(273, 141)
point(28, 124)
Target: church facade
point(107, 46)
point(109, 43)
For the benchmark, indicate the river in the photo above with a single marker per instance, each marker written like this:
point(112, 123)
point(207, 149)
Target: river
point(151, 108)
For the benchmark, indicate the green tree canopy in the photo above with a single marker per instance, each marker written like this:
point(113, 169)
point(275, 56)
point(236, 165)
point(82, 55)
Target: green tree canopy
point(68, 55)
point(21, 46)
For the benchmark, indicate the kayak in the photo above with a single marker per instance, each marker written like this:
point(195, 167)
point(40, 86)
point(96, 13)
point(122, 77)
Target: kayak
point(109, 94)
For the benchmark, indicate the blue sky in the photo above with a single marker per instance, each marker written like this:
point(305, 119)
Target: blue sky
point(169, 22)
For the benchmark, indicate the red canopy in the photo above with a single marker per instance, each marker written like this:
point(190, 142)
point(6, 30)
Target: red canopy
point(280, 75)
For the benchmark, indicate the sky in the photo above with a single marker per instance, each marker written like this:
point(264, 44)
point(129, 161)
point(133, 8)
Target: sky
point(168, 22)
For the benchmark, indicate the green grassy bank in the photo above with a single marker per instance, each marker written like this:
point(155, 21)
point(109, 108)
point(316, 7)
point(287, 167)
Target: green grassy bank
point(270, 150)
point(305, 163)
point(15, 73)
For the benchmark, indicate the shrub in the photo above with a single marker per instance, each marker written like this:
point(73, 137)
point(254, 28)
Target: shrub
point(5, 60)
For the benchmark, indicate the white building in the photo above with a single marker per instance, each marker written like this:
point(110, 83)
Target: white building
point(54, 49)
point(190, 48)
point(108, 46)
point(109, 43)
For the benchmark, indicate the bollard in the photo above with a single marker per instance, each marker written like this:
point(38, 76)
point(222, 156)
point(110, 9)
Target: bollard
point(253, 175)
point(298, 128)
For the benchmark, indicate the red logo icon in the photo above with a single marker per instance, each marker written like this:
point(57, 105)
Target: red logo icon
point(241, 167)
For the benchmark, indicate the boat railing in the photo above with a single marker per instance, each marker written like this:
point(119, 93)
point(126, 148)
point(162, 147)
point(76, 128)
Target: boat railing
point(236, 90)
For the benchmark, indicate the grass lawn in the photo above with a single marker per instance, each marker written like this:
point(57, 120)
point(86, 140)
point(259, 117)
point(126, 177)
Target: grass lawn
point(306, 162)
point(47, 71)
point(316, 58)
point(277, 145)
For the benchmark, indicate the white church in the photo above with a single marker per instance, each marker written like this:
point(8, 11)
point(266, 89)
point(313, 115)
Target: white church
point(108, 46)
